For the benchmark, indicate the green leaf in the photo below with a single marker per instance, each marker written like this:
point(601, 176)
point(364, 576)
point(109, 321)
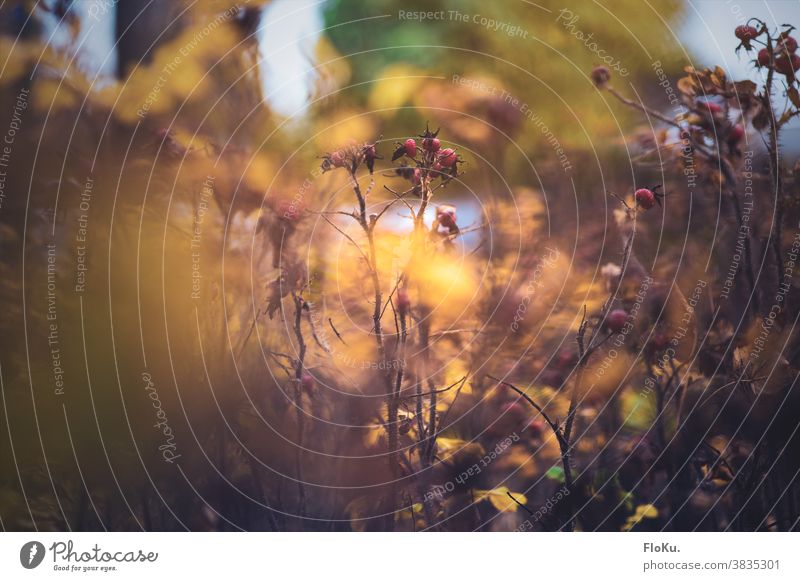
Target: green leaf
point(555, 473)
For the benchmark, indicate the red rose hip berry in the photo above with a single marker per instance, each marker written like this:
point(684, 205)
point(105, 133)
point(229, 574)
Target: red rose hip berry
point(337, 159)
point(616, 320)
point(448, 157)
point(787, 44)
point(712, 108)
point(431, 144)
point(745, 33)
point(787, 64)
point(645, 198)
point(736, 133)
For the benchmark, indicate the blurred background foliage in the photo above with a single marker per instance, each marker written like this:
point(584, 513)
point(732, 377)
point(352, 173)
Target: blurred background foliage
point(540, 62)
point(149, 101)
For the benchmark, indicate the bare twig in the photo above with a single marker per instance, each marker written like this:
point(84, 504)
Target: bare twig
point(553, 425)
point(338, 335)
point(353, 242)
point(443, 390)
point(511, 496)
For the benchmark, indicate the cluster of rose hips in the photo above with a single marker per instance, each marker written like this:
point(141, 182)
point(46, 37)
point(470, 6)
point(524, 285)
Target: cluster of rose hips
point(430, 159)
point(712, 117)
point(783, 58)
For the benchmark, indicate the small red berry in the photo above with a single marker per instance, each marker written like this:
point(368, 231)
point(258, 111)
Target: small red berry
point(431, 144)
point(763, 57)
point(645, 198)
point(616, 320)
point(307, 382)
point(745, 33)
point(337, 159)
point(787, 64)
point(448, 157)
point(566, 358)
point(736, 133)
point(410, 148)
point(514, 408)
point(289, 210)
point(536, 427)
point(446, 214)
point(787, 44)
point(660, 340)
point(712, 108)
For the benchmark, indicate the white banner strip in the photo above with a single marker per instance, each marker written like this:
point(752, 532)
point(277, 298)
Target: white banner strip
point(399, 556)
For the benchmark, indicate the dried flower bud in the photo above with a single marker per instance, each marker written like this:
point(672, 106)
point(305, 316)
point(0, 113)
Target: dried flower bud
point(446, 215)
point(333, 160)
point(600, 76)
point(370, 154)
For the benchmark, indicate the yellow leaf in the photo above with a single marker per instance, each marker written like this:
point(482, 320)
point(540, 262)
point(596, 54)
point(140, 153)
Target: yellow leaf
point(372, 437)
point(642, 511)
point(686, 85)
point(449, 447)
point(500, 499)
